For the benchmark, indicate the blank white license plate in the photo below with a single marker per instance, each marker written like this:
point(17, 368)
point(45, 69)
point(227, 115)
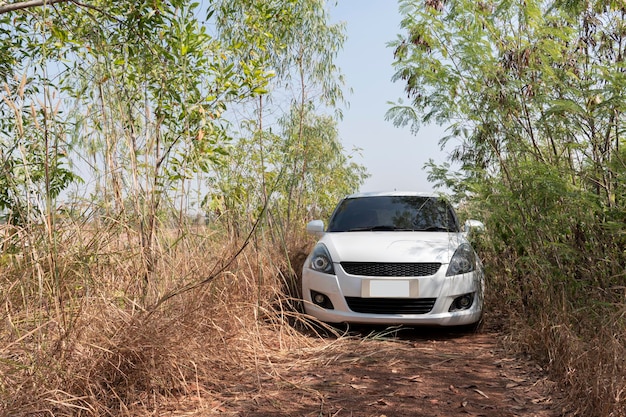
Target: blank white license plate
point(388, 288)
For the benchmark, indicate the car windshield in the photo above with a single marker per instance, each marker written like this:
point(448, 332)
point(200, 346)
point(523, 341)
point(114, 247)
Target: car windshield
point(393, 213)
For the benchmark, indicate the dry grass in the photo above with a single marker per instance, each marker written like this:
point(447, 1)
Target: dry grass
point(82, 336)
point(577, 335)
point(586, 354)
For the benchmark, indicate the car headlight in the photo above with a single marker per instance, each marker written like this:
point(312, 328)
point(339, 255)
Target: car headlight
point(321, 261)
point(463, 261)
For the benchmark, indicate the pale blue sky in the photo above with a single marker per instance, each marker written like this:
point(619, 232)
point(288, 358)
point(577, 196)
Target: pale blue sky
point(393, 156)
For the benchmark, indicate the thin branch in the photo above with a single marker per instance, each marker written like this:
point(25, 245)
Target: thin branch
point(217, 268)
point(7, 8)
point(97, 9)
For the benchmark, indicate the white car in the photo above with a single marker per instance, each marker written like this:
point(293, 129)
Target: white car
point(393, 258)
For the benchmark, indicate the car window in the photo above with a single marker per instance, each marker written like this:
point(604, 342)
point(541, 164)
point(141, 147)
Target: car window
point(393, 213)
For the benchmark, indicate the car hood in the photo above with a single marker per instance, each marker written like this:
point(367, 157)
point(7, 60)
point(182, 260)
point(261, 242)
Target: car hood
point(392, 246)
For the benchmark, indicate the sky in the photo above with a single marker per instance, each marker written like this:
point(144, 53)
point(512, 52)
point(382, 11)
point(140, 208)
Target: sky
point(393, 156)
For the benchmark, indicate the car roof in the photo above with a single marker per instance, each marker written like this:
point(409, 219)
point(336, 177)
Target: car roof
point(394, 194)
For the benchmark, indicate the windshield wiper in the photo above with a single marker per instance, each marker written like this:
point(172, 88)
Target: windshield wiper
point(390, 228)
point(381, 228)
point(433, 229)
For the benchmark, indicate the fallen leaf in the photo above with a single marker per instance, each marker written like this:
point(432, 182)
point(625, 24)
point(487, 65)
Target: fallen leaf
point(540, 400)
point(379, 402)
point(218, 406)
point(357, 386)
point(481, 393)
point(515, 379)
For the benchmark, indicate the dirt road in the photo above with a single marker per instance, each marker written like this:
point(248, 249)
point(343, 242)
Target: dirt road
point(413, 373)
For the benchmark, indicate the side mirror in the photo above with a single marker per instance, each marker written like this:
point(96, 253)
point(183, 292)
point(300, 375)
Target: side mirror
point(473, 225)
point(315, 227)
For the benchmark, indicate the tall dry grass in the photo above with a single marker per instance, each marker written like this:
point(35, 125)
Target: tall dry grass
point(585, 352)
point(82, 336)
point(577, 335)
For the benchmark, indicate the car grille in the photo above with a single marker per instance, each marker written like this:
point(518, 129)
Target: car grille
point(395, 269)
point(391, 305)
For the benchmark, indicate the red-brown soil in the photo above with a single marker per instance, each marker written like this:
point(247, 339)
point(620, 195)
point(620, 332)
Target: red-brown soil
point(434, 373)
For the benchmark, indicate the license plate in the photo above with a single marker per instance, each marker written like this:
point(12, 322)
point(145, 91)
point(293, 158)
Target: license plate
point(389, 288)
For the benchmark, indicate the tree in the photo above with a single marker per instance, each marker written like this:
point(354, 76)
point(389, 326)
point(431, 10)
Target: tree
point(329, 175)
point(297, 42)
point(534, 91)
point(136, 89)
point(538, 80)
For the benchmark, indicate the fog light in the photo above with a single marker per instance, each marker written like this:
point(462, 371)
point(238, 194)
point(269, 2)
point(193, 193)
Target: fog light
point(462, 302)
point(321, 300)
point(465, 301)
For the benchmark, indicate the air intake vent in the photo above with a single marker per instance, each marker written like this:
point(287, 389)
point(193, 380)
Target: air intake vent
point(391, 305)
point(395, 269)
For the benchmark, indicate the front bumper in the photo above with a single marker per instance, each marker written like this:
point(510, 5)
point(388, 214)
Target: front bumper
point(439, 287)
